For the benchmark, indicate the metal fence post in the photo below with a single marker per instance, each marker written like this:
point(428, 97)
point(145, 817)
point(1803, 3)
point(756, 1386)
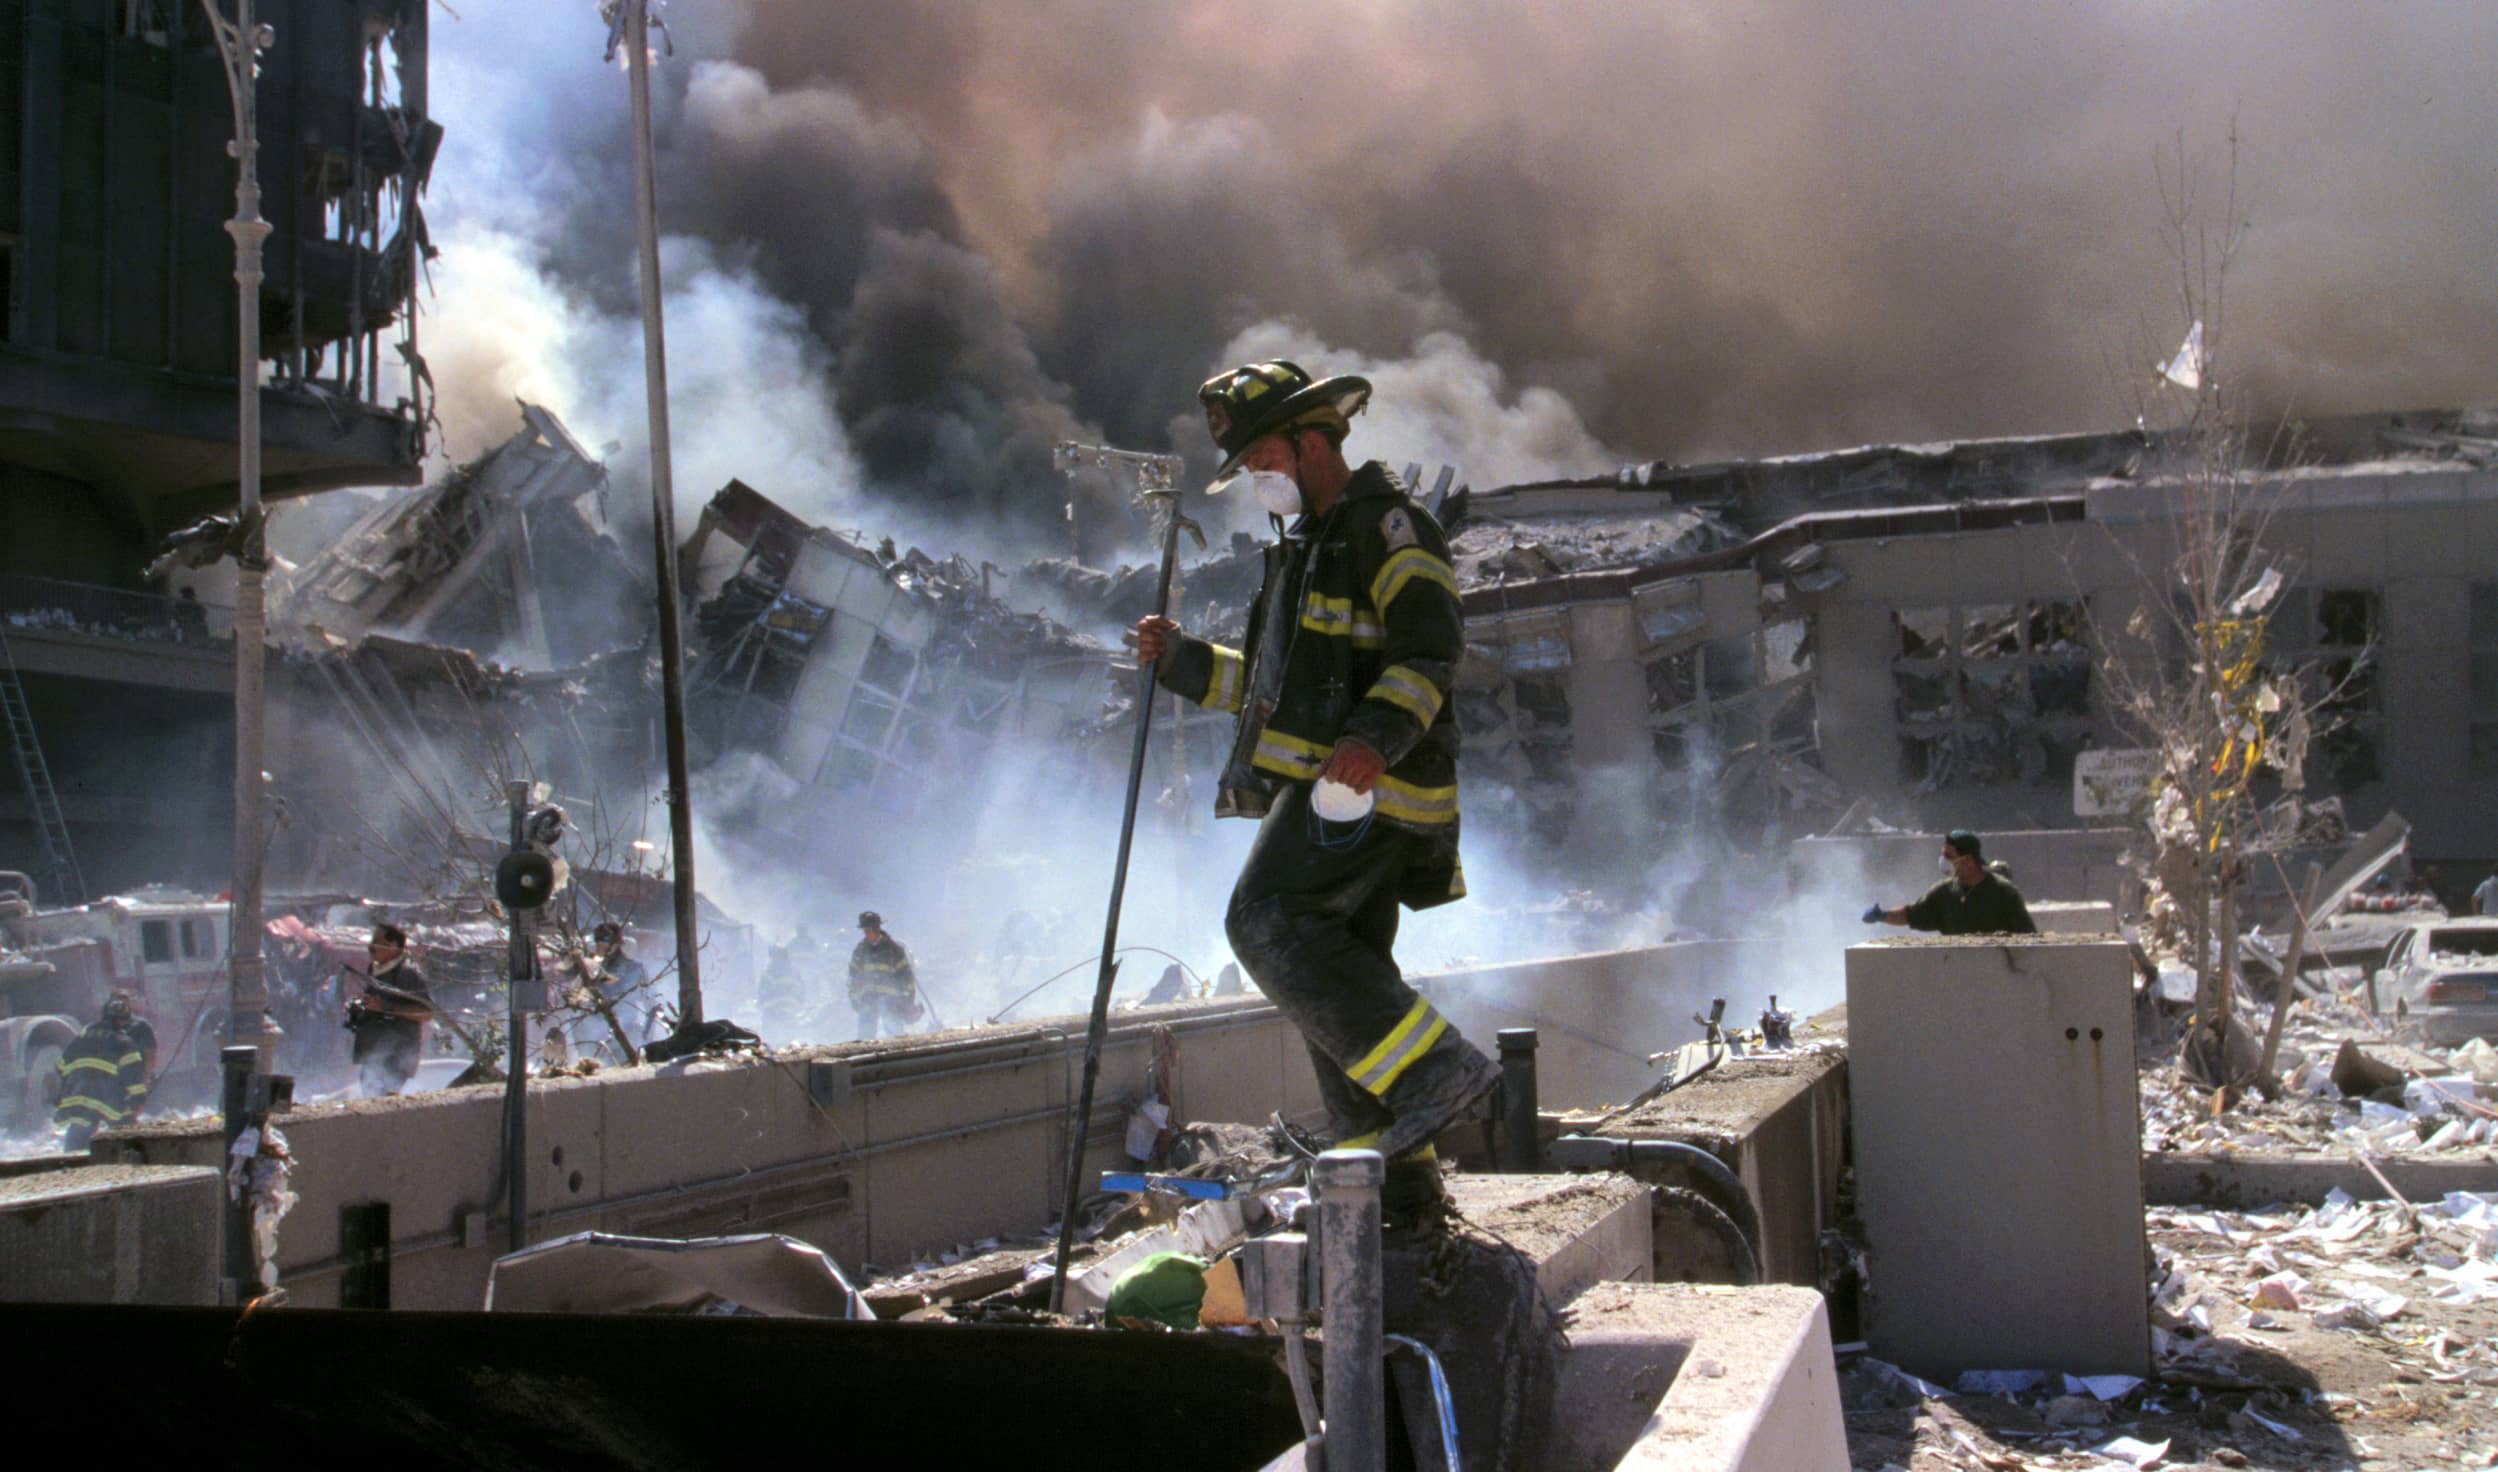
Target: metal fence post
point(242, 1257)
point(1348, 1183)
point(1521, 1153)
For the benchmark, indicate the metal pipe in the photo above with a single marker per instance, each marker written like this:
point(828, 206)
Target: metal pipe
point(1443, 1403)
point(1099, 1023)
point(241, 1266)
point(522, 966)
point(240, 44)
point(1348, 1182)
point(1521, 1152)
point(664, 521)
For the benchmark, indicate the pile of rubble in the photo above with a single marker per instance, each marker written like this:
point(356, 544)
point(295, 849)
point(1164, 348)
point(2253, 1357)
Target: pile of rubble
point(2336, 1095)
point(2348, 1334)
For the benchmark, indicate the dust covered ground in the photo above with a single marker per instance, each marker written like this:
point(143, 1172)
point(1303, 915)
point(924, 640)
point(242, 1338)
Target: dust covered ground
point(2352, 1335)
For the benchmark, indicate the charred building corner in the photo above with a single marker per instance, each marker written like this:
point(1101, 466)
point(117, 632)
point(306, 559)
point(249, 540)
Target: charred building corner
point(117, 390)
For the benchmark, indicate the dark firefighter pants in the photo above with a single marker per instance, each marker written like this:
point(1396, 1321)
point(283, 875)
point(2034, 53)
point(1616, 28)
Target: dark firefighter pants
point(1313, 921)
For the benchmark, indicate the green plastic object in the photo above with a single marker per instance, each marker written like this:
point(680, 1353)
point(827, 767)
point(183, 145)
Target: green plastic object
point(1166, 1288)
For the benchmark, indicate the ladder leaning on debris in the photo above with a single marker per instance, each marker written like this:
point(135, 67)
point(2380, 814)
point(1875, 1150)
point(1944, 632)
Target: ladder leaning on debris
point(50, 828)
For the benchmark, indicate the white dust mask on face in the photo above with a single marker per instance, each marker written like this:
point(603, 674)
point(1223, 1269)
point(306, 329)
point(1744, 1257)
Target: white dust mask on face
point(1944, 863)
point(1275, 492)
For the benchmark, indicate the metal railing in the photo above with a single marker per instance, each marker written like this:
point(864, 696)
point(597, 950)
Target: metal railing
point(36, 605)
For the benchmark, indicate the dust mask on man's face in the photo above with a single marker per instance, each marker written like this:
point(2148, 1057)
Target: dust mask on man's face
point(1275, 491)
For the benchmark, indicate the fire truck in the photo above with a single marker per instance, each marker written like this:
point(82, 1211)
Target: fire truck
point(167, 947)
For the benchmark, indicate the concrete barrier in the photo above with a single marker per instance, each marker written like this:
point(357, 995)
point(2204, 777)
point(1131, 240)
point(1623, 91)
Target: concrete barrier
point(1998, 1154)
point(1600, 1014)
point(875, 1152)
point(109, 1234)
point(1697, 1379)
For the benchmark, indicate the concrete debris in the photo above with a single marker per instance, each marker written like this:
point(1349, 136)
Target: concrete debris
point(509, 556)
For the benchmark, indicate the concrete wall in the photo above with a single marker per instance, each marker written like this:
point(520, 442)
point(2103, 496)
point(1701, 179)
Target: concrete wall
point(917, 1146)
point(2420, 537)
point(109, 1234)
point(2047, 864)
point(1998, 1154)
point(1598, 1016)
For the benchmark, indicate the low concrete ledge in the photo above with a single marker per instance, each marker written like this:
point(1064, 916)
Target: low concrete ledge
point(1698, 1379)
point(110, 1234)
point(2239, 1182)
point(1779, 1121)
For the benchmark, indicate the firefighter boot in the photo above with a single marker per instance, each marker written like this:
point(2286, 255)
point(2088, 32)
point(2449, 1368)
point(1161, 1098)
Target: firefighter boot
point(1414, 1198)
point(1439, 1098)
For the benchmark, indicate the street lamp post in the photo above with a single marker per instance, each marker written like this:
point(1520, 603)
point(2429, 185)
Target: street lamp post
point(630, 28)
point(240, 42)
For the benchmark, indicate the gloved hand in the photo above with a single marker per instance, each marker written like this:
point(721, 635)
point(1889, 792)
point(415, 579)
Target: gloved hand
point(1873, 915)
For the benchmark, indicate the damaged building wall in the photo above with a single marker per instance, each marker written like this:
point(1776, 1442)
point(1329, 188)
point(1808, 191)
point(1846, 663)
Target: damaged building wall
point(510, 557)
point(1954, 661)
point(881, 686)
point(1942, 655)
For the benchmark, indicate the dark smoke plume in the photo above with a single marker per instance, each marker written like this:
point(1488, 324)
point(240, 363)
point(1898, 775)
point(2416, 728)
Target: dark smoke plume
point(1574, 234)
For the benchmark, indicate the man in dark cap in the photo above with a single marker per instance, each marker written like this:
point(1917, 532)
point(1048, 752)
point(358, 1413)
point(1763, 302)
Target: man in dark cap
point(1346, 751)
point(1972, 901)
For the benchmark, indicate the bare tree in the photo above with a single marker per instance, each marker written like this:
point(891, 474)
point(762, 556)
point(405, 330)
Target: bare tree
point(2189, 672)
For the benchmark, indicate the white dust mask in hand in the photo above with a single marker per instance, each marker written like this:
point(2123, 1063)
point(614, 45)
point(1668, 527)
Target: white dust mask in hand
point(1337, 803)
point(1275, 492)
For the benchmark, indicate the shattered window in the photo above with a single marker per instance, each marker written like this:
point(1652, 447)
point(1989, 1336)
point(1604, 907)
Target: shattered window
point(1921, 699)
point(889, 665)
point(1673, 682)
point(1787, 649)
point(2060, 627)
point(1924, 633)
point(2346, 616)
point(199, 940)
point(1543, 702)
point(847, 768)
point(775, 676)
point(1990, 631)
point(1479, 713)
point(1728, 667)
point(868, 721)
point(2483, 761)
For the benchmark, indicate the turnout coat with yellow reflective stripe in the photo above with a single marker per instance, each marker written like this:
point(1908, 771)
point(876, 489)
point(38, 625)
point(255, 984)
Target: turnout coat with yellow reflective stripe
point(1357, 632)
point(103, 1078)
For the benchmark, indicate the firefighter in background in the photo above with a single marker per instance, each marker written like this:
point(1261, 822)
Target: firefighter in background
point(883, 990)
point(389, 1019)
point(104, 1073)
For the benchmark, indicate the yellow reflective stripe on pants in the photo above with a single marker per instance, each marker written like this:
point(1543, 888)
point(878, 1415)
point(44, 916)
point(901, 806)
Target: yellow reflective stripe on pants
point(1403, 566)
point(1382, 1066)
point(1369, 1140)
point(96, 1107)
point(1223, 688)
point(1408, 692)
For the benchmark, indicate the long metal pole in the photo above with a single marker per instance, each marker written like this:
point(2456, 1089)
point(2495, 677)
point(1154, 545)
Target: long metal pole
point(242, 1267)
point(522, 965)
point(1080, 1123)
point(664, 522)
point(248, 995)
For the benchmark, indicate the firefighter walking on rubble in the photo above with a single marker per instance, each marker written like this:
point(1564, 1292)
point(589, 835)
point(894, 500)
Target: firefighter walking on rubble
point(883, 989)
point(1346, 751)
point(103, 1074)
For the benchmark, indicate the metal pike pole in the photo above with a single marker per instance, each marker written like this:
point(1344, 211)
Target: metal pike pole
point(1154, 484)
